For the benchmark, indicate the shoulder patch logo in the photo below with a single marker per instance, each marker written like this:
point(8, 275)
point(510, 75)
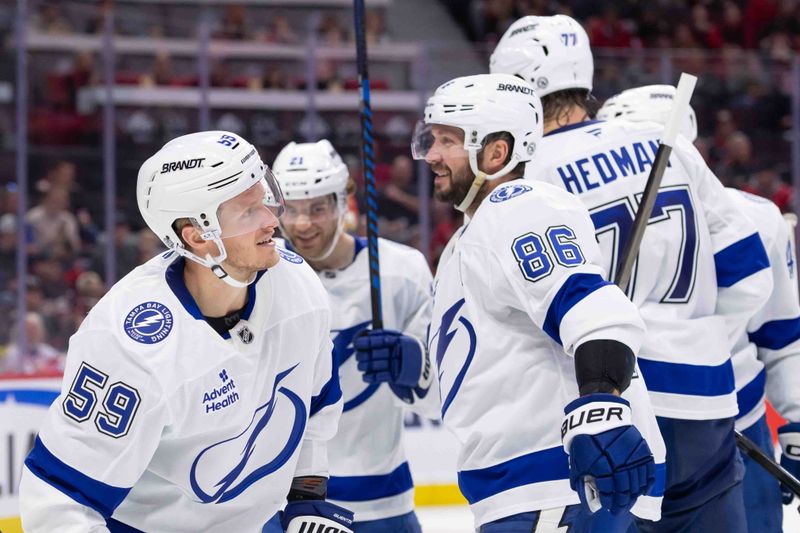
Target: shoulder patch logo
point(290, 256)
point(148, 323)
point(507, 193)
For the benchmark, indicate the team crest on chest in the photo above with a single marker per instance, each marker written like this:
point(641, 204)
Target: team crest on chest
point(507, 193)
point(290, 256)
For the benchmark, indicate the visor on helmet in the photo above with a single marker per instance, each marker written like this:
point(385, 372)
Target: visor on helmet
point(317, 210)
point(257, 207)
point(450, 142)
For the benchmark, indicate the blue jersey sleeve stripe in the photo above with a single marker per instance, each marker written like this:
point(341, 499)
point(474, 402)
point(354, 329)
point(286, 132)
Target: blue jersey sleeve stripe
point(330, 394)
point(751, 394)
point(550, 464)
point(657, 490)
point(94, 494)
point(575, 288)
point(367, 488)
point(115, 526)
point(776, 334)
point(694, 380)
point(740, 260)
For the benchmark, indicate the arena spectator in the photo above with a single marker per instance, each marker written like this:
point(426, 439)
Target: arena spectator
point(398, 202)
point(49, 19)
point(280, 31)
point(38, 356)
point(55, 227)
point(767, 183)
point(331, 31)
point(609, 31)
point(737, 166)
point(232, 25)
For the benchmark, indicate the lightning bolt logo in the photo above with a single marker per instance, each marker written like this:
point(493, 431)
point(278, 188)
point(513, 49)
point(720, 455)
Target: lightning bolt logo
point(446, 335)
point(148, 323)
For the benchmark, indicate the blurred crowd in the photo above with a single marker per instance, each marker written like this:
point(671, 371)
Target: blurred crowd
point(742, 101)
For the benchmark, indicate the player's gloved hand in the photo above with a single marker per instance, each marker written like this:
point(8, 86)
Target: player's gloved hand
point(388, 356)
point(610, 464)
point(789, 439)
point(316, 515)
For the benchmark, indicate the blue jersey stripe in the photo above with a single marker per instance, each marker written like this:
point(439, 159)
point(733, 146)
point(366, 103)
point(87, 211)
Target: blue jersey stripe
point(330, 393)
point(546, 465)
point(657, 490)
point(575, 288)
point(740, 260)
point(118, 527)
point(750, 395)
point(95, 494)
point(366, 488)
point(695, 380)
point(776, 334)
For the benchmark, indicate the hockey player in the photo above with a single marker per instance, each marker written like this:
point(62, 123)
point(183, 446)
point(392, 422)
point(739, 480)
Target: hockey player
point(199, 392)
point(369, 472)
point(767, 355)
point(699, 257)
point(533, 347)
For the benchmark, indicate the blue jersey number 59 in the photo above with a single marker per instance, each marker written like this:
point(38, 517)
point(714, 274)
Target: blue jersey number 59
point(119, 404)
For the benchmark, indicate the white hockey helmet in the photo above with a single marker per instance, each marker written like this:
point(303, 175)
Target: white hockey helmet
point(650, 103)
point(550, 53)
point(191, 177)
point(479, 105)
point(311, 170)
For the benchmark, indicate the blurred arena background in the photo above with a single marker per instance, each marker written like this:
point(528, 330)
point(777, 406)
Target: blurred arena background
point(90, 89)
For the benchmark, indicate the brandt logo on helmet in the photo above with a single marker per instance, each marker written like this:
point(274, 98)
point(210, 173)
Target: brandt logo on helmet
point(524, 29)
point(514, 88)
point(182, 165)
point(148, 323)
point(661, 96)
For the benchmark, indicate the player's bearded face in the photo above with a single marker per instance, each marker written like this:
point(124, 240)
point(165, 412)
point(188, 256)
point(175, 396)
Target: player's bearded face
point(311, 225)
point(449, 163)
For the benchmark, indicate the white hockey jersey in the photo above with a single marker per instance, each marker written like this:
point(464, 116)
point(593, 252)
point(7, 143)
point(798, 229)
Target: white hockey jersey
point(702, 270)
point(769, 353)
point(165, 426)
point(521, 291)
point(369, 472)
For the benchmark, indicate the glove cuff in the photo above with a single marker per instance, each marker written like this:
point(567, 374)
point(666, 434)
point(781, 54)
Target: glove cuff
point(789, 439)
point(593, 414)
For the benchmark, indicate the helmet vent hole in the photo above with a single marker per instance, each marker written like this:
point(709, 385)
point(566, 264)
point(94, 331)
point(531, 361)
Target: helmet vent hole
point(544, 49)
point(216, 164)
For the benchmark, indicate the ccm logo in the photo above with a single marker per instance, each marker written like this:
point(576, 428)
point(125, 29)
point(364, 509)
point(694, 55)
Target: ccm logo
point(792, 450)
point(590, 416)
point(181, 165)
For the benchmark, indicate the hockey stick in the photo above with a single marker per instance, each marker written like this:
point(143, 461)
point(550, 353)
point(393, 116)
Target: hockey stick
point(774, 469)
point(682, 96)
point(368, 163)
point(625, 265)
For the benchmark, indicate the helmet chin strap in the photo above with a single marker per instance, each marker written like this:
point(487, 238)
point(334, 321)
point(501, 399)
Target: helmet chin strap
point(480, 178)
point(215, 263)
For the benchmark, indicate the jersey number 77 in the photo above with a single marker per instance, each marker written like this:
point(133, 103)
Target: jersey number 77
point(617, 217)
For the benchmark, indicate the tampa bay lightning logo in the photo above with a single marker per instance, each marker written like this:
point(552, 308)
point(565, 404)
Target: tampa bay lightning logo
point(290, 256)
point(148, 323)
point(248, 446)
point(507, 193)
point(447, 332)
point(342, 351)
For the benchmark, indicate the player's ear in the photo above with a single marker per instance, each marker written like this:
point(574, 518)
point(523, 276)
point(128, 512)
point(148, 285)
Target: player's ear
point(495, 155)
point(190, 236)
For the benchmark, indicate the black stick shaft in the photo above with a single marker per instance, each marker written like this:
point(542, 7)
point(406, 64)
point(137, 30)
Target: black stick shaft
point(631, 250)
point(767, 463)
point(368, 164)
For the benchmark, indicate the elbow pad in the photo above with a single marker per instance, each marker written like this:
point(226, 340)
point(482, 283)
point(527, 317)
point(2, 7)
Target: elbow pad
point(603, 366)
